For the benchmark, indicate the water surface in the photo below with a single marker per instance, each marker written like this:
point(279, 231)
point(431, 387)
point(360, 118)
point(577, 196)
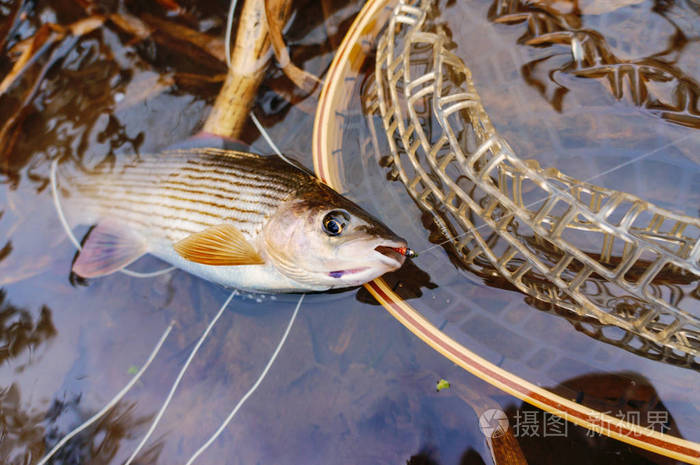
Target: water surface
point(351, 385)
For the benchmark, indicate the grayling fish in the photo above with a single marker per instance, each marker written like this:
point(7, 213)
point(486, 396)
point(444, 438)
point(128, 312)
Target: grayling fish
point(238, 219)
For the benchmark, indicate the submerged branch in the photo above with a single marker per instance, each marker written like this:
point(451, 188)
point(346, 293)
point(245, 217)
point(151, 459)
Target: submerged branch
point(196, 45)
point(47, 35)
point(249, 60)
point(276, 12)
point(9, 23)
point(173, 34)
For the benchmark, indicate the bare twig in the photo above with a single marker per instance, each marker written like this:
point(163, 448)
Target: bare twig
point(131, 24)
point(276, 12)
point(213, 46)
point(10, 22)
point(30, 52)
point(249, 60)
point(42, 40)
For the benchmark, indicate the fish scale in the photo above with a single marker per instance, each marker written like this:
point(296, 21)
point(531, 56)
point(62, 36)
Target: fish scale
point(180, 192)
point(184, 182)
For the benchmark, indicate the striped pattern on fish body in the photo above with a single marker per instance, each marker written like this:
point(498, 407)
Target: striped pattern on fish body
point(177, 193)
point(238, 219)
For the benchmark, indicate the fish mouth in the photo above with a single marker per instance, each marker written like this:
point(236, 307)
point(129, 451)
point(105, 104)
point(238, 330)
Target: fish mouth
point(393, 253)
point(390, 257)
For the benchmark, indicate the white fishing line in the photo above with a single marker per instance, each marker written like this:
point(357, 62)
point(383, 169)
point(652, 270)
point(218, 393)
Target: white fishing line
point(602, 173)
point(269, 141)
point(229, 26)
point(251, 390)
point(76, 243)
point(156, 420)
point(57, 205)
point(149, 274)
point(112, 402)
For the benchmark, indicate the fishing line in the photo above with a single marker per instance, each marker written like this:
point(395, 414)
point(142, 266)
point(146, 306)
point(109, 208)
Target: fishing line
point(252, 389)
point(267, 138)
point(112, 402)
point(229, 26)
point(69, 232)
point(603, 173)
point(179, 378)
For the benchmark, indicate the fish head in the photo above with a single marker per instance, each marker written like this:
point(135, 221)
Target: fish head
point(323, 240)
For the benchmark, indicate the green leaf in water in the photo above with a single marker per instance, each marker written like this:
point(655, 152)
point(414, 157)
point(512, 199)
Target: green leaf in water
point(442, 384)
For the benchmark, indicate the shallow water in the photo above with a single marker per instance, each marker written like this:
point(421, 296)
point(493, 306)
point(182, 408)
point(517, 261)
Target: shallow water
point(351, 385)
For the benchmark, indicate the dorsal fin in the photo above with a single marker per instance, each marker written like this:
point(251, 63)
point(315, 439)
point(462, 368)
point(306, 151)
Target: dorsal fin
point(221, 245)
point(109, 247)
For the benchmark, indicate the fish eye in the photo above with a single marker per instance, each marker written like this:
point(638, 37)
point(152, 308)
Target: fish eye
point(334, 222)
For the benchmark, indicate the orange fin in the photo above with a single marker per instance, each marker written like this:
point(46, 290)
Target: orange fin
point(221, 245)
point(108, 248)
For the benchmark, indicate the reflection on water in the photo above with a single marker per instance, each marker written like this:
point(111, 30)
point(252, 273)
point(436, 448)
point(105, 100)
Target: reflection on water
point(408, 282)
point(18, 331)
point(626, 396)
point(470, 457)
point(23, 433)
point(101, 444)
point(657, 83)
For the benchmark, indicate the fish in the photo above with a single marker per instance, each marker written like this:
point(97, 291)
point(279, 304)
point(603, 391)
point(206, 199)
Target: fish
point(247, 221)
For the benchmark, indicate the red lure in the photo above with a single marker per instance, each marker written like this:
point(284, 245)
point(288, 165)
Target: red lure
point(405, 251)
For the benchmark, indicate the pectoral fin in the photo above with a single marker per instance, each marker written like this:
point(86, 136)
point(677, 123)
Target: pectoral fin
point(109, 247)
point(222, 245)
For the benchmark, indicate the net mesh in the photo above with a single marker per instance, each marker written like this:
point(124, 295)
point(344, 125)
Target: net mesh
point(604, 255)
